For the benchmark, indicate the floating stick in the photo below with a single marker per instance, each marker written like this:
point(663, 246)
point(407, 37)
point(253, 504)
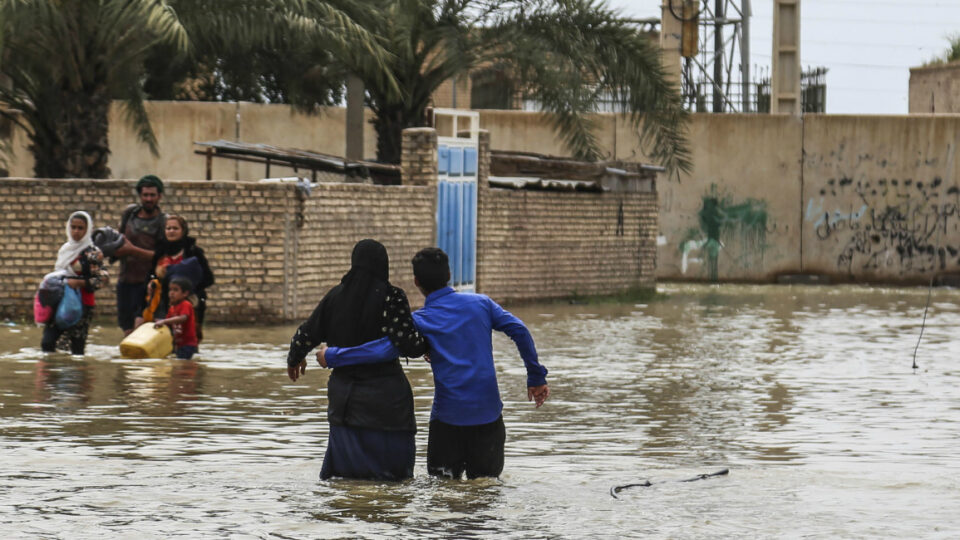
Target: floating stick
point(647, 483)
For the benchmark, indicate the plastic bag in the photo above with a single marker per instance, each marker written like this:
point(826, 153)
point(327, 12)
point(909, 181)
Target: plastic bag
point(41, 313)
point(51, 289)
point(70, 310)
point(188, 268)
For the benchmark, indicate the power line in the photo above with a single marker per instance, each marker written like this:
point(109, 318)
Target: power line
point(911, 3)
point(866, 90)
point(850, 64)
point(871, 45)
point(900, 22)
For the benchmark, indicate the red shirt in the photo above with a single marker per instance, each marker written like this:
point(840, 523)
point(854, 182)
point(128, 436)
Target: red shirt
point(167, 260)
point(185, 333)
point(86, 296)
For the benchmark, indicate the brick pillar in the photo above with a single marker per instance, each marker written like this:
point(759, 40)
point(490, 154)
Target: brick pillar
point(483, 162)
point(418, 159)
point(483, 188)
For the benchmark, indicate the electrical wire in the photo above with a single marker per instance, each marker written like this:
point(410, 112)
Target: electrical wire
point(925, 309)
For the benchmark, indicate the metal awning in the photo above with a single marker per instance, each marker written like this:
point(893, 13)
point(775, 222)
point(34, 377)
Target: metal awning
point(544, 184)
point(296, 159)
point(527, 170)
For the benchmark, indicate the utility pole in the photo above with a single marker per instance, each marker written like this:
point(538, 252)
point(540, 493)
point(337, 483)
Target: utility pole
point(671, 32)
point(785, 94)
point(717, 56)
point(747, 12)
point(713, 41)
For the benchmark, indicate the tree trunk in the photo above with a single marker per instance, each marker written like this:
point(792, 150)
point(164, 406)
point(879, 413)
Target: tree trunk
point(75, 145)
point(389, 127)
point(389, 124)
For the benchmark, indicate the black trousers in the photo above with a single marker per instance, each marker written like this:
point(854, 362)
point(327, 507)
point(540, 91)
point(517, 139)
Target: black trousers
point(130, 303)
point(476, 450)
point(74, 338)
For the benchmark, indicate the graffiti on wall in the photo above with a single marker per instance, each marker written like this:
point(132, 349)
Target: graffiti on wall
point(891, 225)
point(737, 230)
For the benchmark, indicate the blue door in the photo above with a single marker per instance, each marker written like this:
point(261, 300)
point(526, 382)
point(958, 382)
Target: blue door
point(457, 211)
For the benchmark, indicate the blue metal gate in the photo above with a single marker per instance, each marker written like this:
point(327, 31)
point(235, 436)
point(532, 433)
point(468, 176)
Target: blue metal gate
point(457, 203)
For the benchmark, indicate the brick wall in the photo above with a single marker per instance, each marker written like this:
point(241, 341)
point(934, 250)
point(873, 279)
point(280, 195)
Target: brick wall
point(241, 227)
point(267, 267)
point(275, 250)
point(539, 244)
point(338, 215)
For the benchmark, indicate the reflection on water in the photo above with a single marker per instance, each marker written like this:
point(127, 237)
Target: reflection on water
point(805, 393)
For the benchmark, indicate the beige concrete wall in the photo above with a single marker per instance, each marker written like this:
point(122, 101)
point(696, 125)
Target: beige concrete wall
point(935, 89)
point(818, 219)
point(746, 180)
point(178, 124)
point(19, 164)
point(881, 196)
point(445, 95)
point(281, 125)
point(531, 132)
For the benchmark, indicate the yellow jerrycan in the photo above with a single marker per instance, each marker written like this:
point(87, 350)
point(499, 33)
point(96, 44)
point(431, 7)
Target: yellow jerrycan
point(147, 342)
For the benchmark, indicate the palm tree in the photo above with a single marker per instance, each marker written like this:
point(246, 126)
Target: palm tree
point(267, 51)
point(566, 55)
point(62, 63)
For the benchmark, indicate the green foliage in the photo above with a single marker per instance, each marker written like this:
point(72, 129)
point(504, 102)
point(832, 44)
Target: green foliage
point(566, 54)
point(574, 53)
point(265, 51)
point(951, 54)
point(953, 51)
point(63, 62)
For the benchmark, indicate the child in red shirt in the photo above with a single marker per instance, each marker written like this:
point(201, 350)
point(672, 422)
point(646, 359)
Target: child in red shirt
point(181, 319)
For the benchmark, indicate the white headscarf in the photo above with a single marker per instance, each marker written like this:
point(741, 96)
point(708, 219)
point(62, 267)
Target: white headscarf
point(72, 249)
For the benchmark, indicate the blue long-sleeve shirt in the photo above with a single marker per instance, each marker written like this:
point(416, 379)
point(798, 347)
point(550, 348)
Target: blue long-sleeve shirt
point(458, 328)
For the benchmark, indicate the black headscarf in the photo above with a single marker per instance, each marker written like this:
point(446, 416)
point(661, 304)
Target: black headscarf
point(374, 396)
point(355, 307)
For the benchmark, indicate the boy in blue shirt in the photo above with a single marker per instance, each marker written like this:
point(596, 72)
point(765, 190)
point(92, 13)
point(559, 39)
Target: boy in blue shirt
point(466, 425)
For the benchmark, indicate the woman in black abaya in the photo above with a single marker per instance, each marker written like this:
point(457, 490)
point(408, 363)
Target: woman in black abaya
point(370, 406)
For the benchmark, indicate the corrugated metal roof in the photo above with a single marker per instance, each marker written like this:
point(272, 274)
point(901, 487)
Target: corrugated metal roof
point(546, 184)
point(295, 157)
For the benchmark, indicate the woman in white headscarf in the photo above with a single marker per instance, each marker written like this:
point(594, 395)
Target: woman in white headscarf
point(82, 263)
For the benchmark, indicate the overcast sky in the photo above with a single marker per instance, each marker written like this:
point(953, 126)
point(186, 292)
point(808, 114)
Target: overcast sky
point(868, 46)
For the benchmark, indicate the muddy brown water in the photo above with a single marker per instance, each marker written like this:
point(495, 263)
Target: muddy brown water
point(805, 393)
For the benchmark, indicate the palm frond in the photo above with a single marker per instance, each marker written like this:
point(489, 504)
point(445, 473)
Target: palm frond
point(594, 54)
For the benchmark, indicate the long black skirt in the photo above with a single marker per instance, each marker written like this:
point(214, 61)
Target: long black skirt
point(369, 454)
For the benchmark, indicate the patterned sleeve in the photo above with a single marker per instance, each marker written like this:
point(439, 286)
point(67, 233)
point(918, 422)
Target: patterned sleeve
point(95, 273)
point(306, 337)
point(398, 325)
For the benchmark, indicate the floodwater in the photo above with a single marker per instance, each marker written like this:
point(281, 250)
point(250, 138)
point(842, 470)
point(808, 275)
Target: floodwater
point(806, 394)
